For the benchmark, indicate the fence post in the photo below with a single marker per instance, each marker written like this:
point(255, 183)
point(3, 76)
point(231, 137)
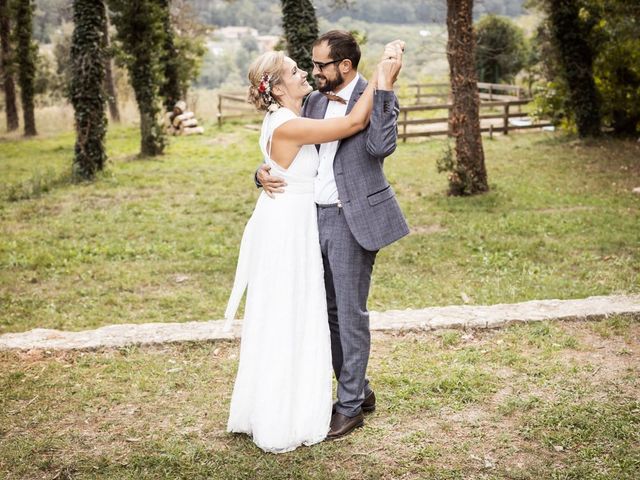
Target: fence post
point(490, 91)
point(219, 110)
point(418, 94)
point(404, 126)
point(506, 119)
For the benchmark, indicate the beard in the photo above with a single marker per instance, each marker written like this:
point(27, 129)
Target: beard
point(325, 85)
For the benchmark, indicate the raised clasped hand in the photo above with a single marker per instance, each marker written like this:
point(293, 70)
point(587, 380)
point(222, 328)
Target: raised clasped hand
point(390, 64)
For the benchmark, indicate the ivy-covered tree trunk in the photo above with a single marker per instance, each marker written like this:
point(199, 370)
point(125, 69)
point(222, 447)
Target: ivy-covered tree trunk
point(140, 30)
point(576, 57)
point(467, 172)
point(109, 84)
point(6, 67)
point(300, 30)
point(86, 89)
point(26, 53)
point(170, 59)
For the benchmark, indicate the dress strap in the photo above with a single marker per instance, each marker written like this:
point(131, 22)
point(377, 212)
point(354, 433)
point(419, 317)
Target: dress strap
point(272, 121)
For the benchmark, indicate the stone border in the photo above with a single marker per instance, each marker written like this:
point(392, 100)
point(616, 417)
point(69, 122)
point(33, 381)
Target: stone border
point(462, 316)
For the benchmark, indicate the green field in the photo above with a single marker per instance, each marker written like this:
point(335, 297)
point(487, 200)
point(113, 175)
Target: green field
point(156, 240)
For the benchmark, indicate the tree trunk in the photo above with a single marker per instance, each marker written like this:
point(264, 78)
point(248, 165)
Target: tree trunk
point(140, 30)
point(109, 85)
point(152, 142)
point(576, 57)
point(6, 67)
point(26, 53)
point(170, 89)
point(87, 94)
point(468, 174)
point(300, 27)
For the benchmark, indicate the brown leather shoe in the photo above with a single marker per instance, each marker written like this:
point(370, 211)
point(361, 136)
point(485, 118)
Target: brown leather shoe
point(342, 425)
point(368, 404)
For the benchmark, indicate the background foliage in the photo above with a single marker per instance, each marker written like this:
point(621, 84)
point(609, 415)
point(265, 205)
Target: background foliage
point(501, 51)
point(612, 31)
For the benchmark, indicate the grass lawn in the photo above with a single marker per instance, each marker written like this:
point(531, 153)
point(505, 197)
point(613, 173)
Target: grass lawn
point(156, 240)
point(528, 402)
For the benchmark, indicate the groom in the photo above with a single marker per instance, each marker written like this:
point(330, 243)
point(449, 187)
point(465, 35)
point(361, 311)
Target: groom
point(357, 212)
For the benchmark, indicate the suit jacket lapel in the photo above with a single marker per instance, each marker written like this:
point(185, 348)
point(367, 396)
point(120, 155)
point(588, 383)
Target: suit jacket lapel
point(319, 111)
point(357, 92)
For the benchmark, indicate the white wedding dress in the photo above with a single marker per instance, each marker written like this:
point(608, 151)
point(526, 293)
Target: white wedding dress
point(282, 396)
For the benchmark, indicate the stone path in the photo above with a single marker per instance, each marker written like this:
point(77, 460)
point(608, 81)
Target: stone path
point(423, 319)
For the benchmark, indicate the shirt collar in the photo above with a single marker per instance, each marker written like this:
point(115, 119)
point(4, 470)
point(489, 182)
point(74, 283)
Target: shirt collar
point(348, 90)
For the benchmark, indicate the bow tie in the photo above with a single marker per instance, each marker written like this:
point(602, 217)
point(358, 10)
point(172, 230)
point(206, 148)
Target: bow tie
point(335, 98)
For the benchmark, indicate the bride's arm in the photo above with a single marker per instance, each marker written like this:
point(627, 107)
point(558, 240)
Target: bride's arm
point(308, 131)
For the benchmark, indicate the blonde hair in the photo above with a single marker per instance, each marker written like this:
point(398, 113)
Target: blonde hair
point(270, 63)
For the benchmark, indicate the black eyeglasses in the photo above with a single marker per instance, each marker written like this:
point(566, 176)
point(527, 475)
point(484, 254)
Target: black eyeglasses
point(321, 65)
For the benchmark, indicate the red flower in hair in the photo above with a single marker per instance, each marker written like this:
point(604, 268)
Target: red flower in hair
point(264, 84)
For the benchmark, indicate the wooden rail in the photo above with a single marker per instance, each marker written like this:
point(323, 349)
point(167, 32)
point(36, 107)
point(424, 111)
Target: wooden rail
point(505, 126)
point(234, 105)
point(509, 98)
point(422, 93)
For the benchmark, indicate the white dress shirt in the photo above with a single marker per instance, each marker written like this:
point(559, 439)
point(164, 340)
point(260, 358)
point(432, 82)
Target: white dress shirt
point(326, 190)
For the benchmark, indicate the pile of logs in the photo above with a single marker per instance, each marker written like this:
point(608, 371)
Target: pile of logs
point(182, 122)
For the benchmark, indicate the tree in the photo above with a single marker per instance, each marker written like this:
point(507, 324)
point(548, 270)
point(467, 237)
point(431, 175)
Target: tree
point(109, 84)
point(611, 32)
point(139, 28)
point(467, 171)
point(189, 43)
point(569, 36)
point(6, 67)
point(26, 53)
point(501, 51)
point(300, 30)
point(86, 90)
point(170, 88)
point(616, 67)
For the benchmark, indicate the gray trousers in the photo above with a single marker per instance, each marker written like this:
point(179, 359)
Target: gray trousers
point(347, 277)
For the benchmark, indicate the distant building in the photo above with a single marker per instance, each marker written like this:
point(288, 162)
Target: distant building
point(228, 38)
point(235, 33)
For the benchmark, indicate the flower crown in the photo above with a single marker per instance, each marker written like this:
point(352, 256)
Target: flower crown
point(265, 90)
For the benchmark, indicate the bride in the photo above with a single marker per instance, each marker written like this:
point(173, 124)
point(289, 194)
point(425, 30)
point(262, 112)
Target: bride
point(283, 389)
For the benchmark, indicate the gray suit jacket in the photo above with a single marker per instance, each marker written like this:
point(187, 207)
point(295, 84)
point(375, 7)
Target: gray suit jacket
point(369, 203)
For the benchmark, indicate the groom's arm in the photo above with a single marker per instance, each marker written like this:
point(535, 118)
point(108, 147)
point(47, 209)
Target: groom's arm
point(382, 133)
point(255, 178)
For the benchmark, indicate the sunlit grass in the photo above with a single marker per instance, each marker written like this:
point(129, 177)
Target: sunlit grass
point(157, 239)
point(448, 407)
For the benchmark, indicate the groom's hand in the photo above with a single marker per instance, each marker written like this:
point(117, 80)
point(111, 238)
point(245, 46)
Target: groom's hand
point(270, 183)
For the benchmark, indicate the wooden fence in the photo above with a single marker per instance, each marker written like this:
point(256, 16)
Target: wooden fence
point(506, 120)
point(423, 100)
point(428, 93)
point(233, 105)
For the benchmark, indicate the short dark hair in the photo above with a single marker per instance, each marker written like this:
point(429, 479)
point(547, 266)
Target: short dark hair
point(342, 45)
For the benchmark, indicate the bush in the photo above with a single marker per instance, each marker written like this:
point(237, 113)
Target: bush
point(501, 51)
